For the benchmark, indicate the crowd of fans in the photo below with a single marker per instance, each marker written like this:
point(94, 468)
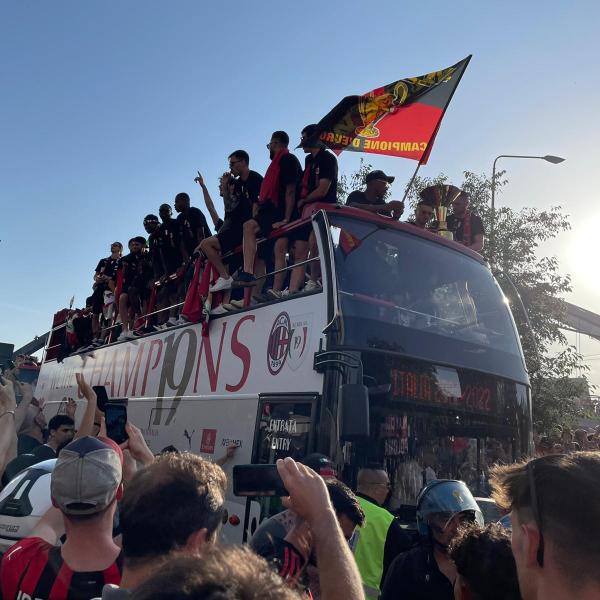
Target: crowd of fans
point(563, 441)
point(152, 278)
point(125, 523)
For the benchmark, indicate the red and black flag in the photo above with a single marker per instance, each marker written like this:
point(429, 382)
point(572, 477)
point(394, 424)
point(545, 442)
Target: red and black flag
point(399, 119)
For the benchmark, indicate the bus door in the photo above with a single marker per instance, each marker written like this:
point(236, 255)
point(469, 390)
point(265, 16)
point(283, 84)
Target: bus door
point(285, 426)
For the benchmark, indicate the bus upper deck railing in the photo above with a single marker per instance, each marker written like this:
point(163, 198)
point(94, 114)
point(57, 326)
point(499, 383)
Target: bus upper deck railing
point(284, 231)
point(248, 292)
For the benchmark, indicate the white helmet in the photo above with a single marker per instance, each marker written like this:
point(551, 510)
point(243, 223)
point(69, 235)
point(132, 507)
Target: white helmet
point(23, 502)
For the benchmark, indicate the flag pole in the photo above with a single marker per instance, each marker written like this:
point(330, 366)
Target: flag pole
point(412, 179)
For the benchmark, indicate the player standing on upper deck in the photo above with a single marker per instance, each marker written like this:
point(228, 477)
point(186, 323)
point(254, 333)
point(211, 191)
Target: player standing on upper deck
point(319, 184)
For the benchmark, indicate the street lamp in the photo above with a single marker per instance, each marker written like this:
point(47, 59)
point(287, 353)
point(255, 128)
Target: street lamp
point(548, 158)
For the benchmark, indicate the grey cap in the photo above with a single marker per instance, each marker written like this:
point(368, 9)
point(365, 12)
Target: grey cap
point(87, 475)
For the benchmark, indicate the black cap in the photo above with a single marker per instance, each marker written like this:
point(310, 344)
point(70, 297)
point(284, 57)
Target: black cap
point(150, 219)
point(165, 207)
point(373, 175)
point(140, 240)
point(321, 464)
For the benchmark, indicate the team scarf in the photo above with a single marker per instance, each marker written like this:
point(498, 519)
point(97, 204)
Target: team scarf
point(269, 189)
point(199, 300)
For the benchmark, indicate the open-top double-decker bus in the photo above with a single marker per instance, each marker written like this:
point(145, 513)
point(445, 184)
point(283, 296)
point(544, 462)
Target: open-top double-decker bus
point(406, 357)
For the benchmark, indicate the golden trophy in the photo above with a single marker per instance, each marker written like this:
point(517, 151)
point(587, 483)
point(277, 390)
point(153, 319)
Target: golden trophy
point(441, 196)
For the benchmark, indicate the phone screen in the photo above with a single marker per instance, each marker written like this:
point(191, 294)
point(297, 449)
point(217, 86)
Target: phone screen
point(115, 415)
point(101, 396)
point(257, 480)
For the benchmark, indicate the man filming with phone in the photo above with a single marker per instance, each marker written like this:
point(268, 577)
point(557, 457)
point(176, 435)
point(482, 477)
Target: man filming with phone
point(308, 543)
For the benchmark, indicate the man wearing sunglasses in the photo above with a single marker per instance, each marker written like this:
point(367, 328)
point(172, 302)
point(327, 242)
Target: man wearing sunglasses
point(242, 206)
point(555, 514)
point(372, 198)
point(426, 571)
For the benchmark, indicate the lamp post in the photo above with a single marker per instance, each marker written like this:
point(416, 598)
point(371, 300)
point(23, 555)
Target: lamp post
point(548, 158)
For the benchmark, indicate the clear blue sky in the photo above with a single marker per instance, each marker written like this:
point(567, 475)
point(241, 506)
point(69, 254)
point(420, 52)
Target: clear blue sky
point(109, 108)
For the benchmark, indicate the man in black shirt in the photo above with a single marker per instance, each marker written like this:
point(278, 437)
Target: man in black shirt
point(319, 184)
point(159, 273)
point(170, 243)
point(274, 209)
point(152, 227)
point(193, 228)
point(105, 278)
point(137, 273)
point(372, 199)
point(239, 199)
point(172, 290)
point(467, 227)
point(426, 571)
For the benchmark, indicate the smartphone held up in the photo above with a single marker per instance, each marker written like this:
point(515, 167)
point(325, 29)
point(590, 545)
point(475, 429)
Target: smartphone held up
point(257, 480)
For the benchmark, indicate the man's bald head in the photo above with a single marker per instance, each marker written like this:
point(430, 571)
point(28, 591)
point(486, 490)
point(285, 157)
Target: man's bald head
point(374, 483)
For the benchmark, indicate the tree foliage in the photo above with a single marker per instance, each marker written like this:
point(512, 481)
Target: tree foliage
point(557, 376)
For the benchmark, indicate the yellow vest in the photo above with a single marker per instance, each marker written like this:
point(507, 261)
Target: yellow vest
point(370, 544)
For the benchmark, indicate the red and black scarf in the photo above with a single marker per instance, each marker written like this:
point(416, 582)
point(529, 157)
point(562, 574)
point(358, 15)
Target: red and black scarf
point(269, 189)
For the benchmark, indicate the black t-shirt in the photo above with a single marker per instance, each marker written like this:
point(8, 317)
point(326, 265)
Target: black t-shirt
point(108, 266)
point(457, 226)
point(358, 197)
point(250, 189)
point(414, 575)
point(238, 207)
point(169, 246)
point(290, 171)
point(136, 269)
point(323, 166)
point(154, 253)
point(44, 452)
point(193, 228)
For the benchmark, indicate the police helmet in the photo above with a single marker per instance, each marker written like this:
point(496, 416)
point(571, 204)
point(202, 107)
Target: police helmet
point(447, 497)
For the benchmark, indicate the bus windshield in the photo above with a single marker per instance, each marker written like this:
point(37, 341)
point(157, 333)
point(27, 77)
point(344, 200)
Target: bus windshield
point(393, 284)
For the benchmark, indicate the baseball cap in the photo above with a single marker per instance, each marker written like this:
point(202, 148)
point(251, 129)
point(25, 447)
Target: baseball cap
point(87, 475)
point(150, 219)
point(373, 175)
point(321, 464)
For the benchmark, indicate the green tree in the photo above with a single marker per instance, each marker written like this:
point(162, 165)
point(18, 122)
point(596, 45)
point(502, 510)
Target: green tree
point(354, 181)
point(541, 287)
point(556, 369)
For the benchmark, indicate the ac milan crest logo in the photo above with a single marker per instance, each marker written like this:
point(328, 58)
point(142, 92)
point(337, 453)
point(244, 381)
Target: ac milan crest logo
point(279, 341)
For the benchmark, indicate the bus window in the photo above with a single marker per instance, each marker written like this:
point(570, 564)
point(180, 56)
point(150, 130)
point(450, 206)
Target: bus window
point(440, 422)
point(285, 428)
point(393, 284)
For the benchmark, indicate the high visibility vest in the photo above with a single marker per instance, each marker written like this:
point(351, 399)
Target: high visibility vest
point(370, 544)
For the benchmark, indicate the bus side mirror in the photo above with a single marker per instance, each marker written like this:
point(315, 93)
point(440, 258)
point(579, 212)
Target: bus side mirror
point(354, 412)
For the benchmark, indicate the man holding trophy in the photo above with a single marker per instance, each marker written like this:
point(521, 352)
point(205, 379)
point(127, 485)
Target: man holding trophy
point(467, 227)
point(462, 225)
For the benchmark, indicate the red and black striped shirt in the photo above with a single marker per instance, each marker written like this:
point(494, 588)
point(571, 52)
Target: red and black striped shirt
point(33, 569)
